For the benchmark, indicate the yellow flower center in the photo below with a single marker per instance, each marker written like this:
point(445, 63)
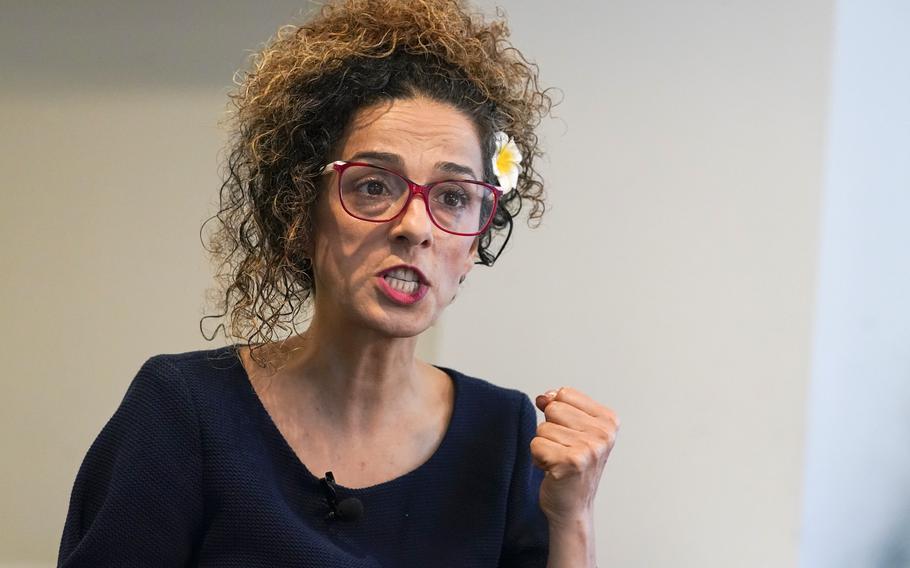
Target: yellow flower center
point(505, 159)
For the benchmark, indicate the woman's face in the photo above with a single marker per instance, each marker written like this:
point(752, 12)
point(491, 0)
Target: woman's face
point(352, 259)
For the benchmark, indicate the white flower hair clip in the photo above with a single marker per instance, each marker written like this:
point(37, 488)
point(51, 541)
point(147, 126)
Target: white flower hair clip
point(506, 160)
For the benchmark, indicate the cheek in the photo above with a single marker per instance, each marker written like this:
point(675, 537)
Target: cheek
point(335, 245)
point(458, 260)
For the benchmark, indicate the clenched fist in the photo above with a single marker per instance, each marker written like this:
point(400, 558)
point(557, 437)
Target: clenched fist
point(571, 447)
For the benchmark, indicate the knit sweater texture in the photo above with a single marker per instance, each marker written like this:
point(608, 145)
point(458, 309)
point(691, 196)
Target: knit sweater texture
point(192, 471)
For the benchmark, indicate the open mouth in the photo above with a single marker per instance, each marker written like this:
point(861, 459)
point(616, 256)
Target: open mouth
point(402, 279)
point(403, 284)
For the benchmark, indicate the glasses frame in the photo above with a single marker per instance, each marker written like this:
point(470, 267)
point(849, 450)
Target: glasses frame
point(339, 166)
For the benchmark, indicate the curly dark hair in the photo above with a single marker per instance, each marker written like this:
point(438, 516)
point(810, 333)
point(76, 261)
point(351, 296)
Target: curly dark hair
point(290, 111)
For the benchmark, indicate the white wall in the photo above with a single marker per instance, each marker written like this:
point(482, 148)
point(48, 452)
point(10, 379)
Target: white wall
point(102, 268)
point(857, 475)
point(673, 278)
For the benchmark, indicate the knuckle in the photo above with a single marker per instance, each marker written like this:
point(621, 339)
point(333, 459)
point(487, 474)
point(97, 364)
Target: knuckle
point(611, 438)
point(558, 472)
point(601, 450)
point(579, 460)
point(596, 449)
point(604, 436)
point(612, 417)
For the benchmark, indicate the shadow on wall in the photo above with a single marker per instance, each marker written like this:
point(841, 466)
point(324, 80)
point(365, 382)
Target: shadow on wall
point(896, 551)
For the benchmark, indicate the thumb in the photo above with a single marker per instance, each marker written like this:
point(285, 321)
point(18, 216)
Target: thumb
point(544, 399)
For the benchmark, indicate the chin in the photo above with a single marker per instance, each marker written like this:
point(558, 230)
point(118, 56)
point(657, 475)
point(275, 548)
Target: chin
point(401, 323)
point(397, 330)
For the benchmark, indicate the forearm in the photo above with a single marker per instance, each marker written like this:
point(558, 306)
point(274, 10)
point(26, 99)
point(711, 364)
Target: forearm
point(572, 543)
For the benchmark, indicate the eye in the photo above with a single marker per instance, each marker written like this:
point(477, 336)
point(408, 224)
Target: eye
point(453, 196)
point(373, 188)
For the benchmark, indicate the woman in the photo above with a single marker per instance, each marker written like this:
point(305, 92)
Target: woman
point(378, 151)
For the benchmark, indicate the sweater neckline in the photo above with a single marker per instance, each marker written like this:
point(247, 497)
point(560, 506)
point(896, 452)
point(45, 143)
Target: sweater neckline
point(291, 455)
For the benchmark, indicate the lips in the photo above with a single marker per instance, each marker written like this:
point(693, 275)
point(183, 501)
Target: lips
point(404, 284)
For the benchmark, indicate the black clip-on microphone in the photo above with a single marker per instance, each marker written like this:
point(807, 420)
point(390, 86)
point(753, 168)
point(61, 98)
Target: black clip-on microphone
point(349, 509)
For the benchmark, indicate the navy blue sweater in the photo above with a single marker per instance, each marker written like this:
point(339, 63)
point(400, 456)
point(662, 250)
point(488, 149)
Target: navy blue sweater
point(191, 470)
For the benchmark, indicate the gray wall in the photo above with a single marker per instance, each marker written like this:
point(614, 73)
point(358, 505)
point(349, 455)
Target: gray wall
point(674, 277)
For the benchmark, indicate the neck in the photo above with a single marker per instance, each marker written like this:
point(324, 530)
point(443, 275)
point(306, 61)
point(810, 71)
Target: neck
point(354, 377)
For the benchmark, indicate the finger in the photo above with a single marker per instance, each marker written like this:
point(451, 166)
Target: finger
point(559, 433)
point(565, 414)
point(583, 402)
point(546, 454)
point(542, 400)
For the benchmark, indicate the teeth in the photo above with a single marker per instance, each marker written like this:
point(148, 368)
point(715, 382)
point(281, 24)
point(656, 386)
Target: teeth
point(403, 274)
point(406, 286)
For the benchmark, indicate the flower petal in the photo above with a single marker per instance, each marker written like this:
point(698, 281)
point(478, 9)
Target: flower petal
point(501, 139)
point(506, 160)
point(509, 181)
point(513, 150)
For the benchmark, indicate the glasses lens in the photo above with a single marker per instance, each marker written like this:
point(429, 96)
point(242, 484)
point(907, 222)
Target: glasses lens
point(372, 193)
point(462, 206)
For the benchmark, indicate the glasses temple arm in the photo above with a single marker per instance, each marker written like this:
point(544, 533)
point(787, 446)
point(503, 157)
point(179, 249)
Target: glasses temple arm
point(330, 167)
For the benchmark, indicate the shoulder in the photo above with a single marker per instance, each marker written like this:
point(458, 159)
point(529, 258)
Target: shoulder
point(491, 400)
point(482, 387)
point(142, 475)
point(191, 367)
point(198, 361)
point(183, 378)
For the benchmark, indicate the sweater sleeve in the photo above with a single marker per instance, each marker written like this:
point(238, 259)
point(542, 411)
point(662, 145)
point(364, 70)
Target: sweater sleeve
point(526, 540)
point(137, 498)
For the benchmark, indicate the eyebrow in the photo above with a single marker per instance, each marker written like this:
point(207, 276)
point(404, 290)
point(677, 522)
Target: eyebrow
point(395, 159)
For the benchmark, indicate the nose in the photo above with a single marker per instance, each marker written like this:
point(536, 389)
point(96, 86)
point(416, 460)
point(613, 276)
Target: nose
point(414, 225)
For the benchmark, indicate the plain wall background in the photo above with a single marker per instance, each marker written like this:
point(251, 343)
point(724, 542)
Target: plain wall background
point(673, 278)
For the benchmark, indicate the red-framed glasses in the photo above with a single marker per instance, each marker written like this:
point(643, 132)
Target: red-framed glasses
point(379, 195)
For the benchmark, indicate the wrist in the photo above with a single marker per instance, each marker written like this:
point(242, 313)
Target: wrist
point(582, 519)
point(572, 542)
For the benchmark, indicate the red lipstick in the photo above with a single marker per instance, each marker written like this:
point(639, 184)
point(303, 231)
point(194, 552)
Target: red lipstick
point(403, 284)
